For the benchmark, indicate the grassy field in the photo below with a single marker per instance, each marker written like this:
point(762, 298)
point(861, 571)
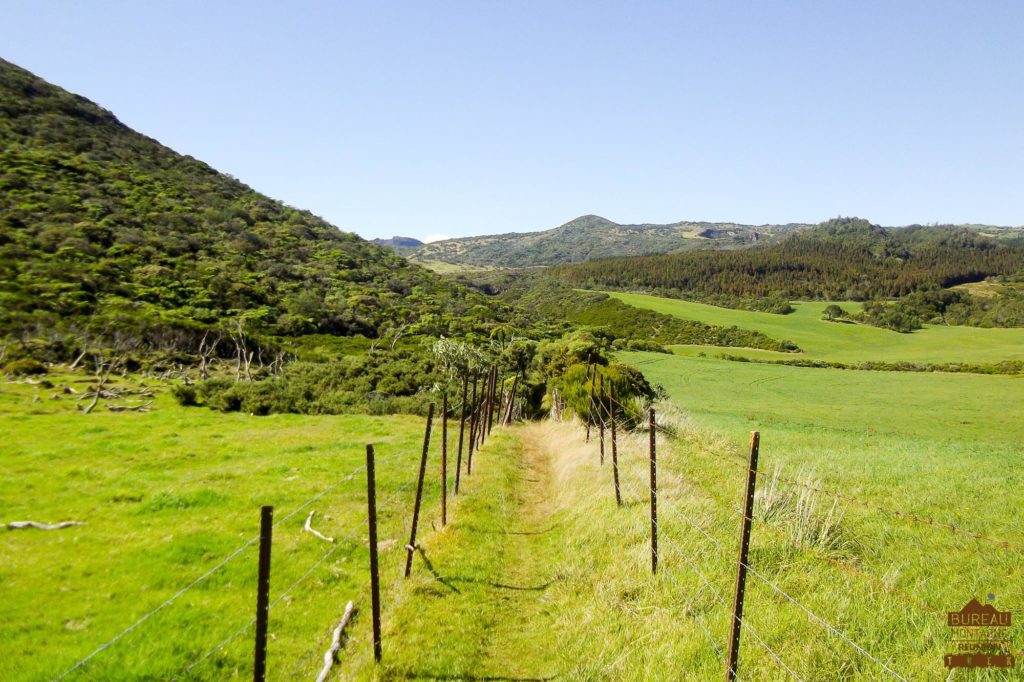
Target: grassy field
point(536, 553)
point(165, 496)
point(841, 342)
point(946, 447)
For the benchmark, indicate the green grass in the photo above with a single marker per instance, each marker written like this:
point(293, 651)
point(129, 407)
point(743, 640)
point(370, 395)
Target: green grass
point(842, 342)
point(941, 446)
point(166, 495)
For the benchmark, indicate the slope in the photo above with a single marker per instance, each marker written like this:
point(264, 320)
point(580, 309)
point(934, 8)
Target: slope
point(108, 235)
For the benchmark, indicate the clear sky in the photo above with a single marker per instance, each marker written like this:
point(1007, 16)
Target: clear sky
point(429, 117)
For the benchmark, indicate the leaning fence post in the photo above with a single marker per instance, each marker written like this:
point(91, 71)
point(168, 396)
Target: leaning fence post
point(462, 431)
point(654, 491)
point(741, 569)
point(444, 459)
point(371, 500)
point(259, 668)
point(600, 417)
point(411, 547)
point(615, 446)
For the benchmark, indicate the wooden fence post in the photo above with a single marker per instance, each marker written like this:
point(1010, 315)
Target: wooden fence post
point(411, 547)
point(654, 491)
point(511, 401)
point(741, 569)
point(371, 501)
point(615, 445)
point(472, 431)
point(462, 431)
point(259, 668)
point(590, 406)
point(444, 459)
point(600, 417)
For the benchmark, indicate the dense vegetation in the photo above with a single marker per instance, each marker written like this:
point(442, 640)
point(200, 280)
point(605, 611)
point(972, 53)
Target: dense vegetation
point(843, 259)
point(629, 327)
point(590, 237)
point(107, 237)
point(932, 304)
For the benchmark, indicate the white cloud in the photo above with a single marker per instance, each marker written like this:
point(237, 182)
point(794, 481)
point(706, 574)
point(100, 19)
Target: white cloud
point(435, 238)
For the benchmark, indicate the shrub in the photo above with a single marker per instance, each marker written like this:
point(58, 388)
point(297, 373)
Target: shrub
point(25, 367)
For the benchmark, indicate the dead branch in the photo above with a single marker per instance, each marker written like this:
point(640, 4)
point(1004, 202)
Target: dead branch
point(17, 525)
point(309, 529)
point(332, 653)
point(130, 408)
point(105, 369)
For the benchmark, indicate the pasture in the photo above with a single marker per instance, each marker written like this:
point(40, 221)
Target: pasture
point(166, 496)
point(839, 341)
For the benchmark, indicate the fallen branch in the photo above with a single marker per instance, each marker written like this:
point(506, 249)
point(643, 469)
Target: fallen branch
point(17, 525)
point(331, 655)
point(309, 529)
point(130, 408)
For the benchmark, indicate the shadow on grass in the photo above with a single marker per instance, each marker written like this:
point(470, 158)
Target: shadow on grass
point(448, 581)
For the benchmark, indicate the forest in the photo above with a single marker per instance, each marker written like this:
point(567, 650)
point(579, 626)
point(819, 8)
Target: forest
point(842, 259)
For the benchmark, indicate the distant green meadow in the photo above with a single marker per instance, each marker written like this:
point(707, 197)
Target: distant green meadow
point(841, 341)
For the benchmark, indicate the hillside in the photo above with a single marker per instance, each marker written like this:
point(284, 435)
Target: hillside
point(109, 238)
point(842, 259)
point(591, 237)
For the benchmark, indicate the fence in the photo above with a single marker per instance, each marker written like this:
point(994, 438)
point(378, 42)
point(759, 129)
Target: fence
point(601, 412)
point(476, 413)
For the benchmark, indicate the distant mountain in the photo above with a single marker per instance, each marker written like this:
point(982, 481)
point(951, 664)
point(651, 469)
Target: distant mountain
point(400, 245)
point(592, 237)
point(108, 236)
point(841, 259)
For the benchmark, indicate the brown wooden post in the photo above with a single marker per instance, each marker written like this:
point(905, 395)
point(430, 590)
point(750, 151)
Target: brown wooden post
point(615, 444)
point(500, 392)
point(590, 405)
point(259, 668)
point(411, 547)
point(511, 401)
point(741, 569)
point(444, 459)
point(473, 413)
point(462, 431)
point(371, 501)
point(652, 425)
point(489, 410)
point(600, 417)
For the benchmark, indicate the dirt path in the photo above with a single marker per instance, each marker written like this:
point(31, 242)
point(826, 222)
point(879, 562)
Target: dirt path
point(520, 645)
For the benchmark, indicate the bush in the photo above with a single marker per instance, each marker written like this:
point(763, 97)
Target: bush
point(25, 367)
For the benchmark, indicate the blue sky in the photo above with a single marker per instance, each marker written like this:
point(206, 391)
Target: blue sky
point(460, 118)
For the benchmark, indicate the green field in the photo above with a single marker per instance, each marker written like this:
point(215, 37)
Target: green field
point(842, 342)
point(165, 496)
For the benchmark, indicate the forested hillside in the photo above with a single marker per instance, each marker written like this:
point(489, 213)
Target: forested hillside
point(590, 237)
point(843, 259)
point(107, 235)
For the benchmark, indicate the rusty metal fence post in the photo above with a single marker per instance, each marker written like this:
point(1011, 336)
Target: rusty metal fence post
point(600, 417)
point(259, 668)
point(411, 547)
point(444, 459)
point(462, 431)
point(615, 445)
point(371, 501)
point(652, 425)
point(741, 570)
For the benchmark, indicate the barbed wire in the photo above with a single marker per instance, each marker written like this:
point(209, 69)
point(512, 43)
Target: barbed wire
point(296, 583)
point(740, 462)
point(202, 578)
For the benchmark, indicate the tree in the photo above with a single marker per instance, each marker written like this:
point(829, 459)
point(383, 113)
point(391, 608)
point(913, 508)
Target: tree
point(833, 312)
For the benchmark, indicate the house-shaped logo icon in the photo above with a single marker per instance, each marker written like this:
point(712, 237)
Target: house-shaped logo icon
point(975, 614)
